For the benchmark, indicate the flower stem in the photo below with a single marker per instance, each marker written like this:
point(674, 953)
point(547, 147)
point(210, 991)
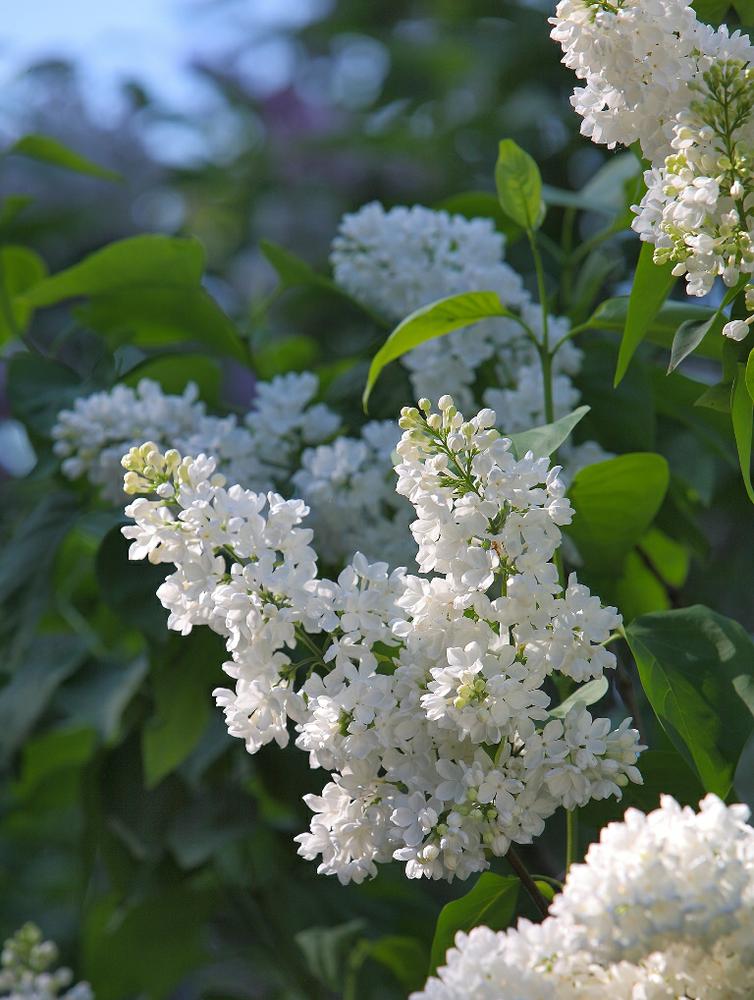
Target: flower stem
point(526, 880)
point(572, 836)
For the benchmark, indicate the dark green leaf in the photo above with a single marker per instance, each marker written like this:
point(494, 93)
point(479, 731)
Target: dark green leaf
point(49, 150)
point(26, 696)
point(615, 502)
point(545, 440)
point(182, 690)
point(39, 388)
point(651, 286)
point(711, 11)
point(129, 588)
point(148, 287)
point(146, 949)
point(716, 397)
point(697, 669)
point(20, 268)
point(742, 413)
point(55, 751)
point(434, 320)
point(519, 185)
point(100, 693)
point(492, 902)
point(175, 371)
point(328, 949)
point(745, 10)
point(406, 957)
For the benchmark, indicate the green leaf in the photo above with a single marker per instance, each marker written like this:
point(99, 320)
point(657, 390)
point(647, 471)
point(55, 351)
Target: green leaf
point(25, 697)
point(587, 694)
point(49, 150)
point(613, 313)
point(148, 287)
point(615, 502)
point(482, 205)
point(12, 206)
point(492, 902)
point(519, 185)
point(175, 371)
point(406, 957)
point(129, 588)
point(434, 320)
point(20, 268)
point(328, 949)
point(749, 377)
point(669, 557)
point(716, 397)
point(742, 413)
point(144, 949)
point(651, 286)
point(697, 669)
point(181, 687)
point(545, 440)
point(711, 11)
point(55, 751)
point(137, 261)
point(294, 272)
point(39, 388)
point(745, 10)
point(689, 336)
point(99, 695)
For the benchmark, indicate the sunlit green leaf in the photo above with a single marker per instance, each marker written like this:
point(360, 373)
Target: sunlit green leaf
point(615, 502)
point(20, 268)
point(519, 185)
point(434, 320)
point(545, 440)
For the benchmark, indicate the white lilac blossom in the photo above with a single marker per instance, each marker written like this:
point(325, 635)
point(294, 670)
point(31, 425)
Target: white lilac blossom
point(423, 696)
point(399, 260)
point(663, 907)
point(26, 970)
point(683, 90)
point(260, 449)
point(348, 486)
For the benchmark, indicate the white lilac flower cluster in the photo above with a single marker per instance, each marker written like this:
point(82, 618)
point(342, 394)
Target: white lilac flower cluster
point(424, 696)
point(277, 445)
point(262, 448)
point(399, 260)
point(685, 91)
point(663, 907)
point(25, 970)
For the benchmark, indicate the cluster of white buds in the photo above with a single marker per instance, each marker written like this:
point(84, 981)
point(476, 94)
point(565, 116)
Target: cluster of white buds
point(662, 909)
point(422, 695)
point(26, 970)
point(657, 75)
